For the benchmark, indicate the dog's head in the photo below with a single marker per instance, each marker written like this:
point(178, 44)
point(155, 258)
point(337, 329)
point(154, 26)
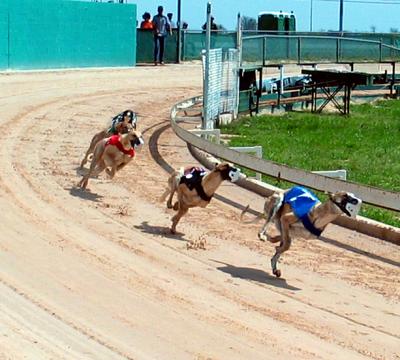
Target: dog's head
point(347, 202)
point(228, 172)
point(135, 138)
point(124, 128)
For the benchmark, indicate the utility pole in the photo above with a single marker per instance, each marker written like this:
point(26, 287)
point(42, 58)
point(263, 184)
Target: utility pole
point(341, 16)
point(178, 40)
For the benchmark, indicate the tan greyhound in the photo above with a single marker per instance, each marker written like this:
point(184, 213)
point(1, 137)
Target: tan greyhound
point(120, 124)
point(112, 154)
point(299, 204)
point(195, 187)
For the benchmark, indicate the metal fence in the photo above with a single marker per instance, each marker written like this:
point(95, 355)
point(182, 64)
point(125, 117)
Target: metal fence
point(281, 48)
point(299, 49)
point(221, 84)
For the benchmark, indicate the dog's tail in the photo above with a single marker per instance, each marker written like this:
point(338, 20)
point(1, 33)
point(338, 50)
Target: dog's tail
point(257, 218)
point(271, 206)
point(164, 195)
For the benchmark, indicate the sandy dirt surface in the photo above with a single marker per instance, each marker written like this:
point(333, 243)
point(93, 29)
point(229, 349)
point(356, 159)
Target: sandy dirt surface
point(96, 274)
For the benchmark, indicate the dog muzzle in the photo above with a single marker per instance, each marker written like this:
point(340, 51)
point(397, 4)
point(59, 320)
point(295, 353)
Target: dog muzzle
point(234, 175)
point(353, 205)
point(137, 143)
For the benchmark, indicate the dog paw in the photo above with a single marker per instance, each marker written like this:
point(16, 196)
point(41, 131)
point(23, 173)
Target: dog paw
point(262, 237)
point(277, 273)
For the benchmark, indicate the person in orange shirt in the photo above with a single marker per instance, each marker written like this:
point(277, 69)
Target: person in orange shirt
point(146, 23)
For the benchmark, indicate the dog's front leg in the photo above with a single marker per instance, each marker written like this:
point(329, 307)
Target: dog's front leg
point(84, 181)
point(96, 138)
point(111, 172)
point(175, 219)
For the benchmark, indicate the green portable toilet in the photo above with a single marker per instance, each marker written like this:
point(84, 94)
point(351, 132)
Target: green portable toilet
point(292, 22)
point(281, 21)
point(267, 21)
point(276, 21)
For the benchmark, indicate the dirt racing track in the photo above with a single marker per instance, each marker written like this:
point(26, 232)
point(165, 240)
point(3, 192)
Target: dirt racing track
point(96, 274)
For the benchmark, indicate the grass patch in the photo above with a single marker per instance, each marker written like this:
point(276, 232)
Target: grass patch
point(366, 144)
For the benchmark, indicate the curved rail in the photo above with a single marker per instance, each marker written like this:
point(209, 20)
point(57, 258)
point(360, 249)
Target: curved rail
point(371, 195)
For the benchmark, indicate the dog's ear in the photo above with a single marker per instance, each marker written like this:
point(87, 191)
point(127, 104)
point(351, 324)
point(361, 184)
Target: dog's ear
point(330, 194)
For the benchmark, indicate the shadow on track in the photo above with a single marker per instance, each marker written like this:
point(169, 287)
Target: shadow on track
point(84, 194)
point(254, 275)
point(163, 231)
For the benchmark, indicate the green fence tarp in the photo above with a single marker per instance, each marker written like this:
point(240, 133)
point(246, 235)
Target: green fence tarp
point(42, 34)
point(145, 47)
point(3, 35)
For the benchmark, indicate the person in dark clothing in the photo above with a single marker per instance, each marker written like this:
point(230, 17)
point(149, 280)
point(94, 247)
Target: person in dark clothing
point(161, 28)
point(214, 26)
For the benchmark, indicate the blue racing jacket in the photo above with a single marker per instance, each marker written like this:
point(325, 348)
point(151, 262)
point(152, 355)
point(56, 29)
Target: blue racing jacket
point(302, 200)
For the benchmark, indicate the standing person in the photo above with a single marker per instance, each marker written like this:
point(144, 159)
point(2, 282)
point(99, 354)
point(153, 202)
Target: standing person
point(171, 22)
point(146, 23)
point(214, 26)
point(161, 27)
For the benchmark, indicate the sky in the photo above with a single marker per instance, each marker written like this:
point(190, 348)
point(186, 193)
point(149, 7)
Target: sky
point(359, 15)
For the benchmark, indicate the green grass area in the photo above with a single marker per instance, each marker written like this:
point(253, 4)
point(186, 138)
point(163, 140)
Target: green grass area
point(366, 144)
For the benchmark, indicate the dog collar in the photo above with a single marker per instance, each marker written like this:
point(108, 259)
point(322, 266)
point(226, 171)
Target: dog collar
point(115, 140)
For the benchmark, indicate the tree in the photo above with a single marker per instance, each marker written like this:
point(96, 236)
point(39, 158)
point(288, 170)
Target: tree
point(394, 30)
point(249, 23)
point(373, 28)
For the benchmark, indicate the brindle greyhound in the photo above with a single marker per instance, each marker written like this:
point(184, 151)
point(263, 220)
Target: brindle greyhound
point(112, 154)
point(120, 124)
point(301, 205)
point(197, 193)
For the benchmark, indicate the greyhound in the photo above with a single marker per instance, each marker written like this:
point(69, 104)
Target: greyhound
point(112, 154)
point(195, 187)
point(299, 204)
point(120, 124)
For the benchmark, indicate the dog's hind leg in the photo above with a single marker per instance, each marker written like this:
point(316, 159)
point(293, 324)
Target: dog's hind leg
point(173, 182)
point(271, 207)
point(85, 159)
point(96, 138)
point(169, 202)
point(286, 221)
